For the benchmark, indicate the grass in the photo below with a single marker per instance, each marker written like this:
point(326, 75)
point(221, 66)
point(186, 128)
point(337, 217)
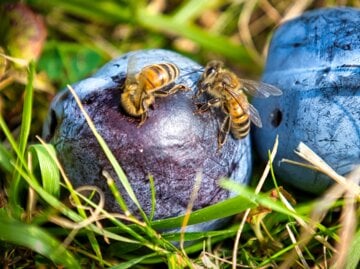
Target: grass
point(269, 230)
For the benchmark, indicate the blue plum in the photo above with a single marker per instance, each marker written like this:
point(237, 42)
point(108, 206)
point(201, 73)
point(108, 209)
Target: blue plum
point(315, 60)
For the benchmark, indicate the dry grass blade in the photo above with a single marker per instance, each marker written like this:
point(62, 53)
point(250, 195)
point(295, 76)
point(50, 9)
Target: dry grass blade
point(20, 62)
point(94, 214)
point(297, 249)
point(189, 208)
point(247, 212)
point(349, 223)
point(270, 11)
point(319, 164)
point(205, 257)
point(347, 187)
point(296, 9)
point(244, 30)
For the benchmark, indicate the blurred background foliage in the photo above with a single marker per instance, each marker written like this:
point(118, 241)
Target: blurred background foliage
point(70, 39)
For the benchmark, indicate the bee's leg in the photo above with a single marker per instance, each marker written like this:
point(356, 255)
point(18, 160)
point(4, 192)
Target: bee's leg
point(180, 87)
point(143, 119)
point(224, 131)
point(200, 91)
point(205, 107)
point(144, 106)
point(163, 93)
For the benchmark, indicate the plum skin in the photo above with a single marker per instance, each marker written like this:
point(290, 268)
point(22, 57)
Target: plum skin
point(172, 145)
point(314, 60)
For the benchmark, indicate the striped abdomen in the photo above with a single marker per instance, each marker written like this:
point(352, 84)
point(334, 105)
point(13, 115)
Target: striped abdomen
point(240, 120)
point(156, 76)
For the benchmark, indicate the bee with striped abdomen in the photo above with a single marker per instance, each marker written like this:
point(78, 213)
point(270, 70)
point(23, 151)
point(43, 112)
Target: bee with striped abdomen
point(227, 92)
point(141, 88)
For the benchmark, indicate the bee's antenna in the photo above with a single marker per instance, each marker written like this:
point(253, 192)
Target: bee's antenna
point(199, 70)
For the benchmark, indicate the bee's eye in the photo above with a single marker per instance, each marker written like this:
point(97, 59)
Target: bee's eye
point(210, 71)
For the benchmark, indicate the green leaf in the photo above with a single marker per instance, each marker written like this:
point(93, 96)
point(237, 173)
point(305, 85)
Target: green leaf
point(34, 238)
point(49, 172)
point(220, 210)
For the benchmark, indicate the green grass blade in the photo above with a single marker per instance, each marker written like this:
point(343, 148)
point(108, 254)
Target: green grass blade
point(27, 110)
point(49, 172)
point(354, 253)
point(153, 197)
point(34, 238)
point(132, 262)
point(222, 209)
point(193, 236)
point(115, 192)
point(9, 136)
point(262, 199)
point(5, 159)
point(24, 135)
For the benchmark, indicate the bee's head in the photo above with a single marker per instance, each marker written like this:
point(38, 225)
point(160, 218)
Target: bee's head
point(212, 68)
point(209, 74)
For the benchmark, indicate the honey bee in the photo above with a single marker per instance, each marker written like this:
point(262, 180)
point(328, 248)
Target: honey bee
point(141, 88)
point(227, 92)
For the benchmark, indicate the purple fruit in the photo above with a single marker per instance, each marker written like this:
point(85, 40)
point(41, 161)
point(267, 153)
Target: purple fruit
point(172, 145)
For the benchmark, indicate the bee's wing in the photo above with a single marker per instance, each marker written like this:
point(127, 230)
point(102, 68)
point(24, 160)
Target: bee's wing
point(250, 109)
point(254, 116)
point(259, 89)
point(132, 69)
